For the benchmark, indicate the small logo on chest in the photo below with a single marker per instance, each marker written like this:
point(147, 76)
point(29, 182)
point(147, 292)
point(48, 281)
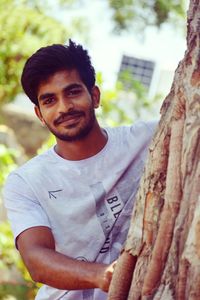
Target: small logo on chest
point(53, 194)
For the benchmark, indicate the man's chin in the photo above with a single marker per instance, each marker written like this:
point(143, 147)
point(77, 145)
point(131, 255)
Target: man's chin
point(72, 137)
point(73, 133)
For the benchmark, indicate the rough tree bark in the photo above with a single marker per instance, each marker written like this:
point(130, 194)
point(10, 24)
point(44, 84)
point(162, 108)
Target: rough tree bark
point(163, 245)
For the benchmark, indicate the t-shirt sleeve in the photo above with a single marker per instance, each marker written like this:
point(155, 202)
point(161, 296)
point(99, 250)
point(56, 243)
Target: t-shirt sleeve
point(151, 126)
point(143, 132)
point(23, 209)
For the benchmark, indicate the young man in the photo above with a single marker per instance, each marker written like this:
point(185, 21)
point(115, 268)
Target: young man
point(70, 207)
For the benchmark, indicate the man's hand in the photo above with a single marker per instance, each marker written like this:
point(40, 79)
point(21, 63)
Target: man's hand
point(106, 276)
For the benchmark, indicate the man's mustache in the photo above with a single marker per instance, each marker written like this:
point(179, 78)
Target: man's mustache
point(66, 116)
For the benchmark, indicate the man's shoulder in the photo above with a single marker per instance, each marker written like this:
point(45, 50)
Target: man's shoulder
point(34, 164)
point(144, 128)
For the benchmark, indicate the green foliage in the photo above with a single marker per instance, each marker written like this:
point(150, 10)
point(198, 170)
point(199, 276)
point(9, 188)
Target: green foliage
point(25, 27)
point(9, 260)
point(124, 104)
point(47, 144)
point(144, 12)
point(7, 162)
point(9, 257)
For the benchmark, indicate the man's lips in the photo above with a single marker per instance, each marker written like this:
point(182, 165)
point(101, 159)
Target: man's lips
point(69, 118)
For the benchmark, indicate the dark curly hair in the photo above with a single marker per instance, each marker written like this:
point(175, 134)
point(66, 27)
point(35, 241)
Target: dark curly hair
point(51, 59)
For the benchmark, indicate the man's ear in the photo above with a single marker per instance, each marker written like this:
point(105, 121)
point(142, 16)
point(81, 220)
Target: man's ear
point(38, 114)
point(96, 96)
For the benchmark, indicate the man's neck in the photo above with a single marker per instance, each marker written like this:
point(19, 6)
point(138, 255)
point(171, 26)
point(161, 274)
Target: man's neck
point(89, 146)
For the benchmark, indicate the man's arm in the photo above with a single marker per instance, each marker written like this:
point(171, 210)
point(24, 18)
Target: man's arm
point(45, 265)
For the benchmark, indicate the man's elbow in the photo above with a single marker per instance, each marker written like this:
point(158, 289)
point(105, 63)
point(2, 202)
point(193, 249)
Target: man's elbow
point(34, 268)
point(35, 276)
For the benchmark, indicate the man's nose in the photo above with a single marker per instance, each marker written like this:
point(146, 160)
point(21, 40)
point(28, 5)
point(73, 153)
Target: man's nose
point(65, 105)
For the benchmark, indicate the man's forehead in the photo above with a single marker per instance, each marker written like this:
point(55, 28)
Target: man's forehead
point(62, 75)
point(61, 79)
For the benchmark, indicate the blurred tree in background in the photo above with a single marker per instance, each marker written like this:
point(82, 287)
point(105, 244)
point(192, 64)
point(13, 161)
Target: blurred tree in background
point(126, 102)
point(26, 26)
point(137, 14)
point(7, 162)
point(10, 260)
point(9, 257)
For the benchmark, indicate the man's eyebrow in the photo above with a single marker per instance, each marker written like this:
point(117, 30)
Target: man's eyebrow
point(72, 86)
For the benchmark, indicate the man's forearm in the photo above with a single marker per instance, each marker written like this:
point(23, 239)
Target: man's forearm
point(59, 271)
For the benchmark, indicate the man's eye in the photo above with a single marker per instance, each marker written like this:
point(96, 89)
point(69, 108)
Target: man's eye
point(48, 101)
point(74, 92)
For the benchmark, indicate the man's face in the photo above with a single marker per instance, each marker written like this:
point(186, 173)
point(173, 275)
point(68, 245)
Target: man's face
point(66, 106)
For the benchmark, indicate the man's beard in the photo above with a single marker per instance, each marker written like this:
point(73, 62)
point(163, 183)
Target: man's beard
point(81, 133)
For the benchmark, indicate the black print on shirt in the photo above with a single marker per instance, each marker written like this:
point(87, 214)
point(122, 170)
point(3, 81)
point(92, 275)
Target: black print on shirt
point(115, 206)
point(102, 211)
point(52, 194)
point(106, 246)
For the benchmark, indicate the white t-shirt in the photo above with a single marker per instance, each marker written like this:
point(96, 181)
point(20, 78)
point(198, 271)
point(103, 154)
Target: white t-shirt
point(87, 203)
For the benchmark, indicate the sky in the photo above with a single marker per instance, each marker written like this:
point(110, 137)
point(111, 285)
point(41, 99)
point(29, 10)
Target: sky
point(165, 47)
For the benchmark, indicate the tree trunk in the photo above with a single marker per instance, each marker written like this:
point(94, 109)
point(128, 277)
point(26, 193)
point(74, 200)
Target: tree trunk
point(164, 236)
